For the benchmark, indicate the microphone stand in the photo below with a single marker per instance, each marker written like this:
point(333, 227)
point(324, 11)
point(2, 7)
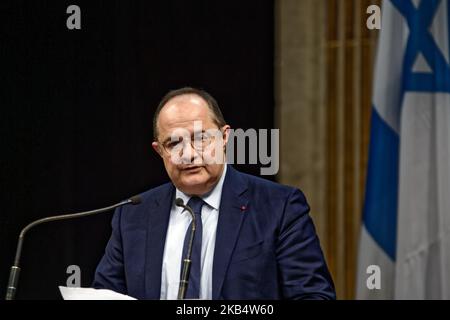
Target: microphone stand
point(184, 281)
point(15, 269)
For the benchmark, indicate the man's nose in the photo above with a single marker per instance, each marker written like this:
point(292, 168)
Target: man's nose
point(189, 154)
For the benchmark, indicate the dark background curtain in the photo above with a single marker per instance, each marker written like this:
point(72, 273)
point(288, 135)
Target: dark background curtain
point(77, 107)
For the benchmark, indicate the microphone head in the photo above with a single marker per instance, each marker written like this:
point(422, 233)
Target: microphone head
point(179, 202)
point(135, 200)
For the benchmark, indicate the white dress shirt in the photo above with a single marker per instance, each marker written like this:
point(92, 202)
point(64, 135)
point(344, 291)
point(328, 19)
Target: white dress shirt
point(179, 222)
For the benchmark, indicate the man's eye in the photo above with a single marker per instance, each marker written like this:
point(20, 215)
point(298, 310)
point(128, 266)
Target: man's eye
point(172, 144)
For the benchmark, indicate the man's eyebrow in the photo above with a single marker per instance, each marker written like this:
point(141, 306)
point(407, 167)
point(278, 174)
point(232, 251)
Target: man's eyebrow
point(167, 140)
point(192, 134)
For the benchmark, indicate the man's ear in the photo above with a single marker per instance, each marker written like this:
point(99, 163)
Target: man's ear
point(226, 134)
point(156, 147)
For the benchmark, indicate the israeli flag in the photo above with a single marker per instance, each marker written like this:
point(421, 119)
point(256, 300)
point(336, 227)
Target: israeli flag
point(406, 219)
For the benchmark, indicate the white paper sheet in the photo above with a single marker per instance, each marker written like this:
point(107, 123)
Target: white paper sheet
point(69, 293)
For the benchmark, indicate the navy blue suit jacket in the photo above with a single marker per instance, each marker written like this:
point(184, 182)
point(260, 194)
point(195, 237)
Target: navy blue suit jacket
point(266, 245)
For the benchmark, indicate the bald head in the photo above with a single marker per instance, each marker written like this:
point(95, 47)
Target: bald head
point(181, 112)
point(178, 98)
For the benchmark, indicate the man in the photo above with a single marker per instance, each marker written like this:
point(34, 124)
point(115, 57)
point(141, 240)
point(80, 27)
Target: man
point(254, 238)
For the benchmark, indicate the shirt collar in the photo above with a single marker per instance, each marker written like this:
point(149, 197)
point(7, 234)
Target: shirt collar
point(212, 198)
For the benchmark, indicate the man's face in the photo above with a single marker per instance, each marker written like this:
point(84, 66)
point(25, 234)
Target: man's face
point(190, 144)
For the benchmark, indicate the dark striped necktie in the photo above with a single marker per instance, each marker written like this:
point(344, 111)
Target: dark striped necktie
point(193, 290)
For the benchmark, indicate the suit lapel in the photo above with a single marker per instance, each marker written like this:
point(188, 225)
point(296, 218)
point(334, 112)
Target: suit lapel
point(159, 213)
point(231, 215)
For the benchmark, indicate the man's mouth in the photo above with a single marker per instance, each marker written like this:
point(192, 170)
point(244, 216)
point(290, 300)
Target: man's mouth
point(192, 168)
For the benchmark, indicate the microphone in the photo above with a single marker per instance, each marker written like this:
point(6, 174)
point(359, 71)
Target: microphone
point(15, 269)
point(187, 260)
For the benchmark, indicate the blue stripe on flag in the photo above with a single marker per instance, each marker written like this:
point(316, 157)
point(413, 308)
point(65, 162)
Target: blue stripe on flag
point(380, 207)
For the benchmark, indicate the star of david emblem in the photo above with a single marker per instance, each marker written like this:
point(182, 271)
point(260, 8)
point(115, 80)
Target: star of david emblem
point(426, 64)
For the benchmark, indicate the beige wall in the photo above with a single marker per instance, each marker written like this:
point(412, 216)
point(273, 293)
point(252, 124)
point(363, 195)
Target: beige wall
point(323, 69)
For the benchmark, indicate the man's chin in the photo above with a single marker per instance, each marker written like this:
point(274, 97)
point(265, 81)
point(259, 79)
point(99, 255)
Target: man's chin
point(195, 184)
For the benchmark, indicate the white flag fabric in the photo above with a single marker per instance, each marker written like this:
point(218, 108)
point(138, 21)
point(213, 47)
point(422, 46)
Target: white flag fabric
point(406, 219)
